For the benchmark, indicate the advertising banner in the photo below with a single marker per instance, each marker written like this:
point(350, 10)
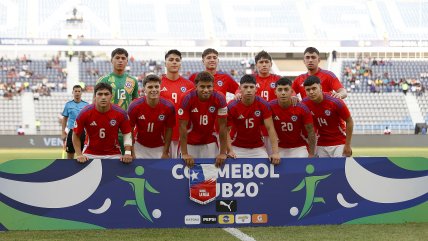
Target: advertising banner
point(106, 194)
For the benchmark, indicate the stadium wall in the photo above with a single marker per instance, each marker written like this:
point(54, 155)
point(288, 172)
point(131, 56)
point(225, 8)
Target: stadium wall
point(40, 141)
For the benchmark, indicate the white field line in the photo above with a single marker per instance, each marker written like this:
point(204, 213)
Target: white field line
point(238, 234)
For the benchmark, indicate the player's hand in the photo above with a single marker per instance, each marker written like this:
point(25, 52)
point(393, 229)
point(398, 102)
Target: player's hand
point(275, 159)
point(82, 159)
point(238, 96)
point(347, 151)
point(188, 159)
point(311, 156)
point(220, 159)
point(126, 158)
point(337, 95)
point(294, 100)
point(63, 136)
point(231, 154)
point(165, 155)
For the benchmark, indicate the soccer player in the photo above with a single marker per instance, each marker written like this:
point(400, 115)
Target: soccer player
point(291, 123)
point(200, 108)
point(102, 122)
point(247, 115)
point(124, 86)
point(153, 117)
point(332, 120)
point(173, 87)
point(222, 82)
point(70, 112)
point(329, 82)
point(264, 78)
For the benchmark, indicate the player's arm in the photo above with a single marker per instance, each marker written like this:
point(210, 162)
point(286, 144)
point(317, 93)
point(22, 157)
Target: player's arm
point(63, 126)
point(77, 144)
point(340, 93)
point(275, 159)
point(230, 152)
point(221, 157)
point(183, 143)
point(127, 143)
point(347, 151)
point(167, 138)
point(311, 139)
point(135, 92)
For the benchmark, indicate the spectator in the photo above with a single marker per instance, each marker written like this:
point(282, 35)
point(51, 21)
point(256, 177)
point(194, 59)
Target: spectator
point(424, 131)
point(37, 124)
point(387, 131)
point(334, 53)
point(20, 131)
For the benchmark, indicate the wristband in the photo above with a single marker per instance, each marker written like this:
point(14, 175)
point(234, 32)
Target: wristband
point(127, 152)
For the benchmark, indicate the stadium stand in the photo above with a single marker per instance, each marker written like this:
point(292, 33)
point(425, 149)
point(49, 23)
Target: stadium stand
point(278, 20)
point(11, 117)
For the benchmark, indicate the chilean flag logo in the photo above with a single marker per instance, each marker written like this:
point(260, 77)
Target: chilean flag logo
point(202, 183)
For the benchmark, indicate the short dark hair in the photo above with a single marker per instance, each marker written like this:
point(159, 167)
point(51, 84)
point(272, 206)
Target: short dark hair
point(77, 87)
point(172, 51)
point(247, 79)
point(102, 86)
point(311, 80)
point(119, 51)
point(263, 54)
point(204, 76)
point(311, 50)
point(209, 51)
point(283, 81)
point(151, 77)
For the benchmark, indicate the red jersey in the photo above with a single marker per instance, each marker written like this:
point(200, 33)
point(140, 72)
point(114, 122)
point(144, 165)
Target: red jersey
point(151, 122)
point(102, 129)
point(329, 82)
point(329, 119)
point(290, 124)
point(173, 90)
point(201, 116)
point(247, 121)
point(266, 86)
point(222, 82)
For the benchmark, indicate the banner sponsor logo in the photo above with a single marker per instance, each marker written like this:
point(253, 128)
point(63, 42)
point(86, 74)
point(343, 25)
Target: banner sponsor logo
point(192, 219)
point(226, 206)
point(259, 218)
point(226, 219)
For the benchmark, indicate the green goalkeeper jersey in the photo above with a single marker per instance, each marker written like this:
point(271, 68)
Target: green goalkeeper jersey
point(125, 88)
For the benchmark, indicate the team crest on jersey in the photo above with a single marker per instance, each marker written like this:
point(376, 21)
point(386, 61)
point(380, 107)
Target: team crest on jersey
point(294, 118)
point(113, 122)
point(327, 112)
point(129, 85)
point(257, 113)
point(180, 111)
point(183, 89)
point(161, 117)
point(75, 124)
point(220, 83)
point(212, 109)
point(272, 85)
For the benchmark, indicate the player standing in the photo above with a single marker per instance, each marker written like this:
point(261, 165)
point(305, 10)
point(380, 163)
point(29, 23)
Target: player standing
point(291, 123)
point(173, 87)
point(222, 82)
point(200, 108)
point(124, 86)
point(247, 115)
point(154, 118)
point(102, 122)
point(329, 82)
point(332, 120)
